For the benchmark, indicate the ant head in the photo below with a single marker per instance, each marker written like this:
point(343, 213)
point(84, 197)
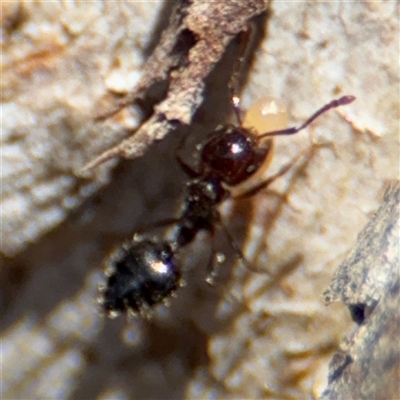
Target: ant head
point(233, 154)
point(141, 274)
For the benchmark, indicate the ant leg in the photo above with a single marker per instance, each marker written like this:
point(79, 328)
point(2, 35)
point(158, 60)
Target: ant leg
point(156, 225)
point(235, 77)
point(216, 259)
point(187, 169)
point(235, 247)
point(342, 101)
point(238, 250)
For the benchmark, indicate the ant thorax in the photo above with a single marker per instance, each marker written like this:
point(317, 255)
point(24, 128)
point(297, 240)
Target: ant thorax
point(199, 210)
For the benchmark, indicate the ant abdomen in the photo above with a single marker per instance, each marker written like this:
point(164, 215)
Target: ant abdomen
point(140, 275)
point(232, 154)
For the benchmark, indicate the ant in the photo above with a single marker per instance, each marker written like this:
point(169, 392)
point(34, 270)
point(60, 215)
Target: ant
point(144, 272)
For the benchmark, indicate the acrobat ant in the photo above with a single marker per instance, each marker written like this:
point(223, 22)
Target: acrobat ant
point(143, 273)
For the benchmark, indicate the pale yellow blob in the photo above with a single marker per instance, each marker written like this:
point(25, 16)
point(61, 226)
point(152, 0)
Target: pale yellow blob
point(265, 115)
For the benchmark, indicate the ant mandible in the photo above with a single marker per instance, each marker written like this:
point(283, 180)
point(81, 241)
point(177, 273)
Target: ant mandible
point(146, 272)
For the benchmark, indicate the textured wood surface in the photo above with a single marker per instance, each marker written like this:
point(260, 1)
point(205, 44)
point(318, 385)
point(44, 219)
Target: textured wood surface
point(256, 335)
point(368, 283)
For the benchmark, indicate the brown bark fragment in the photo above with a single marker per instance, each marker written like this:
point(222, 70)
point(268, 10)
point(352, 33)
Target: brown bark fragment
point(368, 282)
point(194, 42)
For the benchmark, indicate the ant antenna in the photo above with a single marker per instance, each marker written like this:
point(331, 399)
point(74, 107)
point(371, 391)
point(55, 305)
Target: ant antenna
point(233, 85)
point(342, 101)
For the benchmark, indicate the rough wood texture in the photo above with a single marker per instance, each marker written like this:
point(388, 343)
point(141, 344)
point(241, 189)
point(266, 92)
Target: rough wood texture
point(194, 42)
point(368, 282)
point(56, 62)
